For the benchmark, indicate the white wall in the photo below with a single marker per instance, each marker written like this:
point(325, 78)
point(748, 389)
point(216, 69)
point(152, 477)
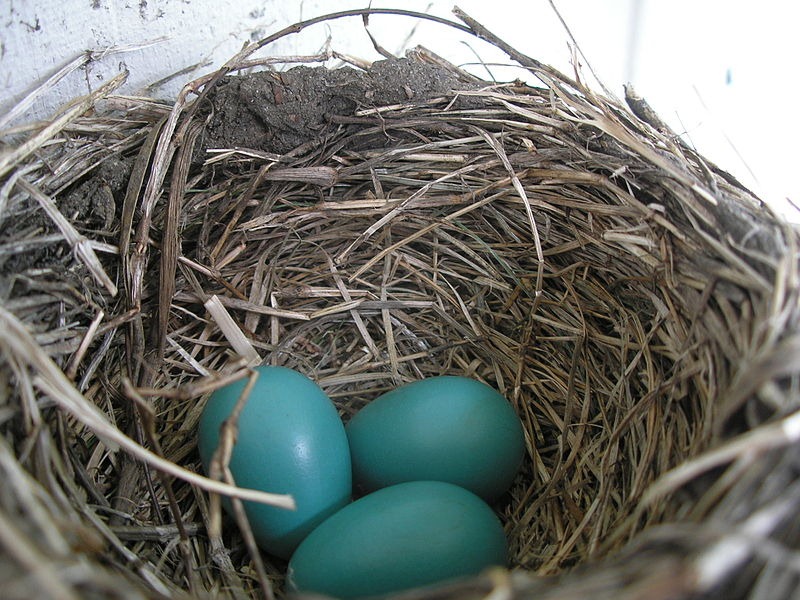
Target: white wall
point(722, 72)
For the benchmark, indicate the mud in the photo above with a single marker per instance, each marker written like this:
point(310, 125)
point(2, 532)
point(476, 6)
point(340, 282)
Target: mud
point(277, 112)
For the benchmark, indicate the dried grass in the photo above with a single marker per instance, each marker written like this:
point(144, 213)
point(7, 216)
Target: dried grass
point(637, 306)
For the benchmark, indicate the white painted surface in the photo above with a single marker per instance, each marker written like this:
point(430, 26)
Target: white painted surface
point(720, 72)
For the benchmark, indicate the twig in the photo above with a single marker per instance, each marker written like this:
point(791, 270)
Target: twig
point(534, 66)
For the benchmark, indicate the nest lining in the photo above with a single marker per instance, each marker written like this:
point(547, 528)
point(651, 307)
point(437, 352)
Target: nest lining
point(636, 305)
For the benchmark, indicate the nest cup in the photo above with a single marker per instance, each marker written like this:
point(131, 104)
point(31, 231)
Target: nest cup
point(368, 227)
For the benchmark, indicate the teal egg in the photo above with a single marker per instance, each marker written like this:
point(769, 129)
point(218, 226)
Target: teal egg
point(404, 536)
point(291, 441)
point(452, 429)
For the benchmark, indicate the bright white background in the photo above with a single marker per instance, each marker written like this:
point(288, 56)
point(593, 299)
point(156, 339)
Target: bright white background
point(723, 73)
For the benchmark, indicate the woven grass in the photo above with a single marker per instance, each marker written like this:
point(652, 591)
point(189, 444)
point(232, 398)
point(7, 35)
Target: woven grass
point(635, 304)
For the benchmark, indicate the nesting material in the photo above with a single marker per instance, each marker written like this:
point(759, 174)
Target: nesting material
point(635, 304)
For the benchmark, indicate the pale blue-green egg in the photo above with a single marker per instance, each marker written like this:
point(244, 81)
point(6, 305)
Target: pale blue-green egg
point(405, 536)
point(290, 441)
point(448, 428)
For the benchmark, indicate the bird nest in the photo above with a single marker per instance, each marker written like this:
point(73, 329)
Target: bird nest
point(369, 227)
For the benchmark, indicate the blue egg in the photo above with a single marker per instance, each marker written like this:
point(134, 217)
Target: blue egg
point(452, 429)
point(291, 441)
point(401, 537)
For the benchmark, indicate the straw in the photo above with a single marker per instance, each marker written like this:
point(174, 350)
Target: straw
point(636, 305)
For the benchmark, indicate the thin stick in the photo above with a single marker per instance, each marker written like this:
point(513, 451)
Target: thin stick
point(220, 469)
point(577, 46)
point(533, 65)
